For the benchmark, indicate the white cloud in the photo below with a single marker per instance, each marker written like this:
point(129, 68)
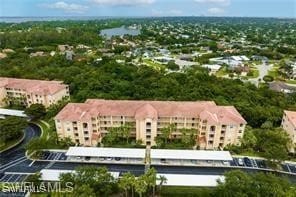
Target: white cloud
point(172, 12)
point(67, 7)
point(122, 2)
point(216, 11)
point(218, 2)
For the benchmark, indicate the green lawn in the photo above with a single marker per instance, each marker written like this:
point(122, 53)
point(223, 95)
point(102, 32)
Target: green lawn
point(5, 145)
point(154, 65)
point(254, 73)
point(223, 71)
point(45, 129)
point(291, 81)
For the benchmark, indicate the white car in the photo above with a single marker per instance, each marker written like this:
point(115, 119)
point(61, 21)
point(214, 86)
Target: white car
point(240, 162)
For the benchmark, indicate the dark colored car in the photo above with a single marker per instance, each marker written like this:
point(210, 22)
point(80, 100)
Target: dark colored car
point(117, 158)
point(248, 162)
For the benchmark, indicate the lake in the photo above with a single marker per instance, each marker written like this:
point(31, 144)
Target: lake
point(119, 31)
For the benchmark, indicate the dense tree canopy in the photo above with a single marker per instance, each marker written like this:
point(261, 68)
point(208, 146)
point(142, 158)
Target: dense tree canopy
point(110, 80)
point(11, 128)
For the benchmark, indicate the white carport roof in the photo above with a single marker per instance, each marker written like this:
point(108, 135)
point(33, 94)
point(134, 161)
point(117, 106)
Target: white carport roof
point(190, 154)
point(106, 152)
point(12, 112)
point(191, 180)
point(53, 175)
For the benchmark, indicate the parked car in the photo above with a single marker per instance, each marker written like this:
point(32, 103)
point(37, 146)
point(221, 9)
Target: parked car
point(109, 159)
point(117, 158)
point(248, 162)
point(101, 158)
point(87, 158)
point(240, 162)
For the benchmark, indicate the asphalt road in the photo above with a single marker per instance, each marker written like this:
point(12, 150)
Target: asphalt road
point(17, 154)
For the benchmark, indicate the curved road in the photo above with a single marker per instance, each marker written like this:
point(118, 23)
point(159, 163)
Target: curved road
point(17, 153)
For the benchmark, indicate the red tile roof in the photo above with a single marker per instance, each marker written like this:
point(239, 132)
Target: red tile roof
point(150, 109)
point(291, 116)
point(39, 87)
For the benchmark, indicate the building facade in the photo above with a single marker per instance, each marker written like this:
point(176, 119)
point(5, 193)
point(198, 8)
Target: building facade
point(27, 92)
point(289, 125)
point(87, 123)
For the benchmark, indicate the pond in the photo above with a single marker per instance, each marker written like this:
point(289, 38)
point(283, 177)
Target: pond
point(119, 31)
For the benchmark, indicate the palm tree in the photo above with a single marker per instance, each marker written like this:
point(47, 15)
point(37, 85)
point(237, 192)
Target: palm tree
point(141, 185)
point(167, 131)
point(151, 179)
point(127, 182)
point(162, 180)
point(125, 131)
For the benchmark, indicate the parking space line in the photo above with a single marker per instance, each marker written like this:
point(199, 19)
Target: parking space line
point(31, 163)
point(7, 164)
point(10, 177)
point(5, 175)
point(18, 178)
point(288, 167)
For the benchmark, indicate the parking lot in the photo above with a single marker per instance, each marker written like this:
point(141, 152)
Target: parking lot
point(257, 163)
point(49, 155)
point(248, 162)
point(7, 177)
point(289, 168)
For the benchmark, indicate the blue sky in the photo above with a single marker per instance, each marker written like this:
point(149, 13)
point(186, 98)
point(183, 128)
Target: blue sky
point(261, 8)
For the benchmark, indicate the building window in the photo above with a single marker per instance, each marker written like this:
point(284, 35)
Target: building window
point(77, 141)
point(68, 129)
point(221, 138)
point(213, 128)
point(240, 131)
point(86, 138)
point(210, 142)
point(76, 134)
point(84, 125)
point(193, 119)
point(241, 125)
point(222, 132)
point(85, 132)
point(212, 135)
point(148, 124)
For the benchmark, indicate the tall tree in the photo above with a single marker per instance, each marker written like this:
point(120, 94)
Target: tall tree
point(36, 111)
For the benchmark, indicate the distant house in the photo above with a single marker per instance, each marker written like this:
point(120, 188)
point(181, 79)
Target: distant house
point(8, 51)
point(213, 68)
point(37, 54)
point(3, 55)
point(259, 58)
point(186, 57)
point(163, 59)
point(64, 48)
point(281, 87)
point(69, 55)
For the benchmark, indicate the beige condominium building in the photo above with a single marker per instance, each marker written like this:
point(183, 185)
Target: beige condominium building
point(27, 92)
point(87, 123)
point(289, 125)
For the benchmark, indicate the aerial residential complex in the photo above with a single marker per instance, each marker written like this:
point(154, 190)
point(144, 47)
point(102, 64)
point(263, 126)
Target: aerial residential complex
point(87, 123)
point(289, 125)
point(27, 92)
